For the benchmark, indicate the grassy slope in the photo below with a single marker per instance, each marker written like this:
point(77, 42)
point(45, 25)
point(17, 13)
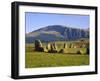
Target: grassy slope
point(40, 59)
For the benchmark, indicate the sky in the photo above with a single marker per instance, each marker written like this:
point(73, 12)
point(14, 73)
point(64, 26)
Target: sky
point(34, 21)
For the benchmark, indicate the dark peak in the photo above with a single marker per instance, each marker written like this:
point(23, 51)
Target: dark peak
point(55, 26)
point(63, 26)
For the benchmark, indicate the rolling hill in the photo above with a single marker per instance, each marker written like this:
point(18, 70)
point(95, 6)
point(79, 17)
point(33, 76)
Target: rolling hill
point(57, 33)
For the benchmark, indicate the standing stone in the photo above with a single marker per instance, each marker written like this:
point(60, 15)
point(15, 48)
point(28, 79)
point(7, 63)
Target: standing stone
point(87, 50)
point(69, 45)
point(72, 46)
point(48, 46)
point(65, 45)
point(52, 48)
point(38, 46)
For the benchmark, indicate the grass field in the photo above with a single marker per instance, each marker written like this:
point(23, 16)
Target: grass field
point(41, 59)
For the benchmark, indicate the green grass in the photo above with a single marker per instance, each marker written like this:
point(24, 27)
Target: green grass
point(41, 59)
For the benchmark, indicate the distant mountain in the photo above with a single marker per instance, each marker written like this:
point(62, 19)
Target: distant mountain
point(57, 33)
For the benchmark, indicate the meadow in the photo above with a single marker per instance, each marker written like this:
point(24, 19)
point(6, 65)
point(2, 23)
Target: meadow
point(35, 59)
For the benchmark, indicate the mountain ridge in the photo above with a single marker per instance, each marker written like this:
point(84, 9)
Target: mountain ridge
point(57, 33)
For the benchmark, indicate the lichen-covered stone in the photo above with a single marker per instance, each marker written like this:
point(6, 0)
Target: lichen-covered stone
point(52, 48)
point(78, 52)
point(72, 46)
point(48, 46)
point(63, 51)
point(38, 46)
point(87, 50)
point(69, 45)
point(65, 45)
